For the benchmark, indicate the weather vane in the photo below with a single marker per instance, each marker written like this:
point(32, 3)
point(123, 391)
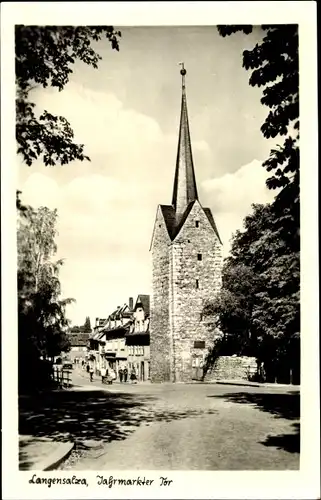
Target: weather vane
point(183, 70)
point(183, 73)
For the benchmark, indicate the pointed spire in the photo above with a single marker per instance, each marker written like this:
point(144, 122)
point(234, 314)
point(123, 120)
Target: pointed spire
point(185, 190)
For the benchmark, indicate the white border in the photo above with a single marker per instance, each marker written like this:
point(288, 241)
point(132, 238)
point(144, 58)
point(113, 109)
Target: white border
point(264, 485)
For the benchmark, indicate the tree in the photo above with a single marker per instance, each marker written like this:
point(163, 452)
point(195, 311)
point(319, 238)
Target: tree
point(44, 56)
point(42, 322)
point(87, 325)
point(275, 67)
point(258, 306)
point(265, 306)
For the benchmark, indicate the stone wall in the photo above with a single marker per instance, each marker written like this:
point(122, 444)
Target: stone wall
point(231, 368)
point(192, 283)
point(160, 339)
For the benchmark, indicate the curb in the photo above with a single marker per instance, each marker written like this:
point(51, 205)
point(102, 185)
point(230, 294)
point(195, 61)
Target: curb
point(243, 384)
point(56, 458)
point(256, 384)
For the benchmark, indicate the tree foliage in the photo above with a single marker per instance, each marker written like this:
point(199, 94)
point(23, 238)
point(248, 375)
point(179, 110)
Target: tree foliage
point(258, 308)
point(44, 57)
point(275, 66)
point(87, 324)
point(42, 321)
point(85, 328)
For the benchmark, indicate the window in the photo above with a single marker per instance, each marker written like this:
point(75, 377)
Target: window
point(197, 223)
point(199, 344)
point(197, 284)
point(199, 256)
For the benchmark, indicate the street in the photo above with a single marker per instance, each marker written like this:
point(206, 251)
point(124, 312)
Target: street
point(167, 426)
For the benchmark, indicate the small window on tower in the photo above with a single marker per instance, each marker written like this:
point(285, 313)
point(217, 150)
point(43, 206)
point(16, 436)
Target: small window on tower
point(197, 223)
point(197, 284)
point(199, 256)
point(199, 344)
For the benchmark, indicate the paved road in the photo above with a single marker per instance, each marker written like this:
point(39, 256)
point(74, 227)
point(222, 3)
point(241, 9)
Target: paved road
point(195, 427)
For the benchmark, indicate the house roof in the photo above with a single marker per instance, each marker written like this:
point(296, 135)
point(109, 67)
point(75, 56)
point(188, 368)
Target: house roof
point(145, 301)
point(118, 331)
point(78, 339)
point(95, 336)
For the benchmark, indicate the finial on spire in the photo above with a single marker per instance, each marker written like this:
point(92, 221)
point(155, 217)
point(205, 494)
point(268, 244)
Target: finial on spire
point(183, 73)
point(183, 70)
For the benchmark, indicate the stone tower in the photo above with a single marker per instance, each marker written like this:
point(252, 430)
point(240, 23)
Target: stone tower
point(186, 266)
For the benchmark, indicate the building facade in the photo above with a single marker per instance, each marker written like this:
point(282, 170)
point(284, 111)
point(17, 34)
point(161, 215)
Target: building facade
point(186, 272)
point(138, 340)
point(122, 340)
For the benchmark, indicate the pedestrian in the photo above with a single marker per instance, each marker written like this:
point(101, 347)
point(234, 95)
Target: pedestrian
point(91, 373)
point(125, 374)
point(87, 368)
point(133, 377)
point(103, 375)
point(120, 373)
point(112, 376)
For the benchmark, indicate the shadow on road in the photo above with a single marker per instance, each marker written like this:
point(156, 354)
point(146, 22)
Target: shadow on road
point(282, 405)
point(24, 461)
point(91, 415)
point(287, 442)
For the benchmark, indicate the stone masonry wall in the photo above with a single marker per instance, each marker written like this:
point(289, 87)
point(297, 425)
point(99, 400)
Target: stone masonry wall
point(232, 368)
point(186, 299)
point(160, 339)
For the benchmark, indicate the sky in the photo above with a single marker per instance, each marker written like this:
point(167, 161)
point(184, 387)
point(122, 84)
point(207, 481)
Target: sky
point(126, 114)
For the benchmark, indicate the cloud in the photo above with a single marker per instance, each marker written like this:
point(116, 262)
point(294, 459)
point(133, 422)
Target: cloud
point(103, 235)
point(231, 196)
point(105, 230)
point(39, 190)
point(107, 207)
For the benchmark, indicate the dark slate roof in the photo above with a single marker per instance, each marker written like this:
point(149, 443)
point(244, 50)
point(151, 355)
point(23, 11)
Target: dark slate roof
point(170, 220)
point(210, 217)
point(168, 212)
point(183, 218)
point(145, 301)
